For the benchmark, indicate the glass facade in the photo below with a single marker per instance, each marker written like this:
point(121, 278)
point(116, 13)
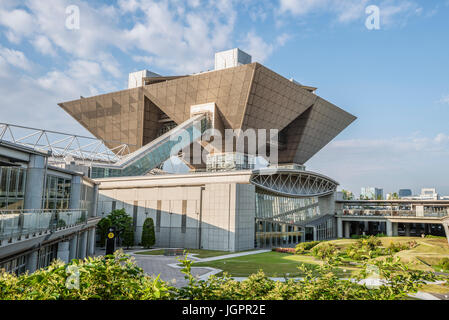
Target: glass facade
point(12, 187)
point(57, 193)
point(157, 154)
point(229, 162)
point(280, 220)
point(16, 265)
point(87, 198)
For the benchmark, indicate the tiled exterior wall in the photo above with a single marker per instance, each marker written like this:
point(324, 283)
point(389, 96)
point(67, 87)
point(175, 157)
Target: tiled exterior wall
point(228, 212)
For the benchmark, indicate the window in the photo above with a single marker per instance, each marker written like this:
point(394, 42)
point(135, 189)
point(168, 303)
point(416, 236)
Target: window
point(12, 187)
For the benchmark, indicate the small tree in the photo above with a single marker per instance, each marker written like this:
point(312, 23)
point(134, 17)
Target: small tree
point(102, 229)
point(128, 236)
point(148, 236)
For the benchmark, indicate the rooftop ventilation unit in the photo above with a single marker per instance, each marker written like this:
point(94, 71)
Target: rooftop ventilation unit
point(136, 78)
point(231, 58)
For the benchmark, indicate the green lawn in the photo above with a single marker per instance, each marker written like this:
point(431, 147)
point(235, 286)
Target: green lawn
point(199, 253)
point(273, 264)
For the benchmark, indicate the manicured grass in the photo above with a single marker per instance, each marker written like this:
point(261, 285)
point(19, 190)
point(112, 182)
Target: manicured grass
point(199, 253)
point(276, 264)
point(273, 264)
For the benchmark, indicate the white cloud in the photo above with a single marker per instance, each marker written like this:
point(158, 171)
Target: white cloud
point(394, 163)
point(19, 22)
point(43, 45)
point(351, 10)
point(445, 99)
point(259, 49)
point(15, 58)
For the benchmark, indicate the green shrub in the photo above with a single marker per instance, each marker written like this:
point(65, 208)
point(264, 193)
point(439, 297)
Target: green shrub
point(365, 248)
point(128, 236)
point(443, 265)
point(116, 277)
point(107, 278)
point(102, 229)
point(148, 235)
point(122, 221)
point(305, 246)
point(325, 251)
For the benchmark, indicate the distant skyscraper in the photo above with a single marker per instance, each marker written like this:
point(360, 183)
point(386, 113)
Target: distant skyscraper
point(371, 193)
point(405, 193)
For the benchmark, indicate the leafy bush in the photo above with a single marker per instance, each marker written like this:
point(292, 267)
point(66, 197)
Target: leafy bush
point(305, 246)
point(128, 236)
point(284, 250)
point(102, 229)
point(434, 237)
point(113, 277)
point(325, 251)
point(443, 265)
point(117, 277)
point(365, 248)
point(123, 223)
point(148, 235)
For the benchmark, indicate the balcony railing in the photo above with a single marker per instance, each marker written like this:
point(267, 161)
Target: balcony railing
point(25, 223)
point(394, 213)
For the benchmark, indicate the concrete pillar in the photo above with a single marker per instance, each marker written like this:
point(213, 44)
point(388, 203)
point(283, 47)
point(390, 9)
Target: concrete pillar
point(73, 248)
point(34, 185)
point(357, 228)
point(339, 228)
point(315, 237)
point(82, 248)
point(389, 228)
point(407, 229)
point(95, 201)
point(32, 262)
point(347, 225)
point(91, 243)
point(63, 251)
point(395, 229)
point(446, 230)
point(75, 193)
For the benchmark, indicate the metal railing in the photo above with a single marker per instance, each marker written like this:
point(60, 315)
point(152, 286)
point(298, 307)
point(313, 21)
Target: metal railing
point(393, 213)
point(22, 223)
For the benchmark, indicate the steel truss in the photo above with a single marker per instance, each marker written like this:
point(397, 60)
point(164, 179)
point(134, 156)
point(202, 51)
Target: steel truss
point(63, 146)
point(293, 183)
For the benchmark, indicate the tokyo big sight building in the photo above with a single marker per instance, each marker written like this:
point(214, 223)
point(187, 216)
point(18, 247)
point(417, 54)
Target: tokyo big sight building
point(222, 203)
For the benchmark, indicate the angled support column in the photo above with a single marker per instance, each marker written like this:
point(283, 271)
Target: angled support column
point(446, 229)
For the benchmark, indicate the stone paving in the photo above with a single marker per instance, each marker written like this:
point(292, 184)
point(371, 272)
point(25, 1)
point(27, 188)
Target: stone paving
point(161, 265)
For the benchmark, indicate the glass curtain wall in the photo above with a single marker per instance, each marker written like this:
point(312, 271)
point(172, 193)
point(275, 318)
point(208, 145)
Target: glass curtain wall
point(280, 220)
point(12, 187)
point(57, 193)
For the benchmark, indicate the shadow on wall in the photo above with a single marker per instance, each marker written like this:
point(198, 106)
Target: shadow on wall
point(180, 224)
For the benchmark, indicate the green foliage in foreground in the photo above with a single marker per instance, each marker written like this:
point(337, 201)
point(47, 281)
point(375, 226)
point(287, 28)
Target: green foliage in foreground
point(113, 277)
point(118, 278)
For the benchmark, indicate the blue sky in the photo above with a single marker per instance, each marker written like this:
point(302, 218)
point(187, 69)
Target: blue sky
point(395, 79)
